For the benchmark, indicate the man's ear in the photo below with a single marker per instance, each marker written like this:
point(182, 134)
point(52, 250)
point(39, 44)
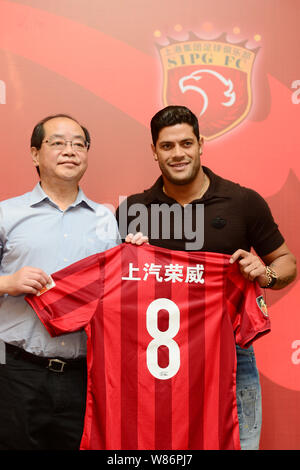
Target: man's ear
point(201, 144)
point(154, 152)
point(35, 156)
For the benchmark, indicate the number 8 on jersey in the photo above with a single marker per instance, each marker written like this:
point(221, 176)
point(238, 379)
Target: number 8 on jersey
point(163, 338)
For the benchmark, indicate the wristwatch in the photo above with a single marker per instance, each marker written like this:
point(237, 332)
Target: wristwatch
point(272, 277)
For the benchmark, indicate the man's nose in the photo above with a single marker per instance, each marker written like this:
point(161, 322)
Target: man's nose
point(178, 151)
point(68, 149)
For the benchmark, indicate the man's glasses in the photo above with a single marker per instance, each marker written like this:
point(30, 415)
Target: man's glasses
point(57, 143)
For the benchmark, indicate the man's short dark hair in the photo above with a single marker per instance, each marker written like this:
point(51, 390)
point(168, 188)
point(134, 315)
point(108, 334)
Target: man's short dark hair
point(170, 116)
point(38, 132)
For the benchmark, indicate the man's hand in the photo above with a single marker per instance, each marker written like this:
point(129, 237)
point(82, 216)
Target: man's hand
point(251, 266)
point(137, 239)
point(27, 280)
point(281, 260)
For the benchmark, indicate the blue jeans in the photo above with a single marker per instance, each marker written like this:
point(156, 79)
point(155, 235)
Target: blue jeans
point(248, 393)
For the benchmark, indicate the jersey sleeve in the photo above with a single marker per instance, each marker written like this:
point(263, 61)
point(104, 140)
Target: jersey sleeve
point(248, 310)
point(70, 303)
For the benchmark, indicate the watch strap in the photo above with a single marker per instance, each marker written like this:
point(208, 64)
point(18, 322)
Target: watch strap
point(272, 277)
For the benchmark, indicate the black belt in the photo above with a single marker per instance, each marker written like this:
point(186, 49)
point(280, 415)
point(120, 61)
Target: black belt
point(55, 364)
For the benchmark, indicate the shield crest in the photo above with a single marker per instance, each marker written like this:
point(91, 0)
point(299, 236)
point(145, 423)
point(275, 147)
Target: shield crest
point(212, 78)
point(262, 305)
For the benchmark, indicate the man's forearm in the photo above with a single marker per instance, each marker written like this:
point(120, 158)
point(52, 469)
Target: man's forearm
point(3, 285)
point(285, 267)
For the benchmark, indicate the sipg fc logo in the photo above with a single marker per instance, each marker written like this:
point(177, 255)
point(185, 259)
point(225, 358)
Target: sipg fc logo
point(212, 78)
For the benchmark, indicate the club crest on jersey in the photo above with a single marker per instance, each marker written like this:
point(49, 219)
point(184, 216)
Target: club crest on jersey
point(212, 78)
point(262, 305)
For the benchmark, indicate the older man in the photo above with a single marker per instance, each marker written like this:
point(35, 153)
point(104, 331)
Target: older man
point(43, 379)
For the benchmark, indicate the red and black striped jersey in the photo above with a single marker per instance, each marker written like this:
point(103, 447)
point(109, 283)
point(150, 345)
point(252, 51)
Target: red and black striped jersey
point(161, 331)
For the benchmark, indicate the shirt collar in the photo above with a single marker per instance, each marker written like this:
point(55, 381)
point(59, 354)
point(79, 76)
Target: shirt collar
point(217, 188)
point(38, 195)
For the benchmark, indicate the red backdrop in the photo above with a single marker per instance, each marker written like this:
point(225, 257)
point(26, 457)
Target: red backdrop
point(112, 65)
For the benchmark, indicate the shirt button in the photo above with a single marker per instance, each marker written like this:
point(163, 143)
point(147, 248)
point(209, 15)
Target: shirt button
point(65, 235)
